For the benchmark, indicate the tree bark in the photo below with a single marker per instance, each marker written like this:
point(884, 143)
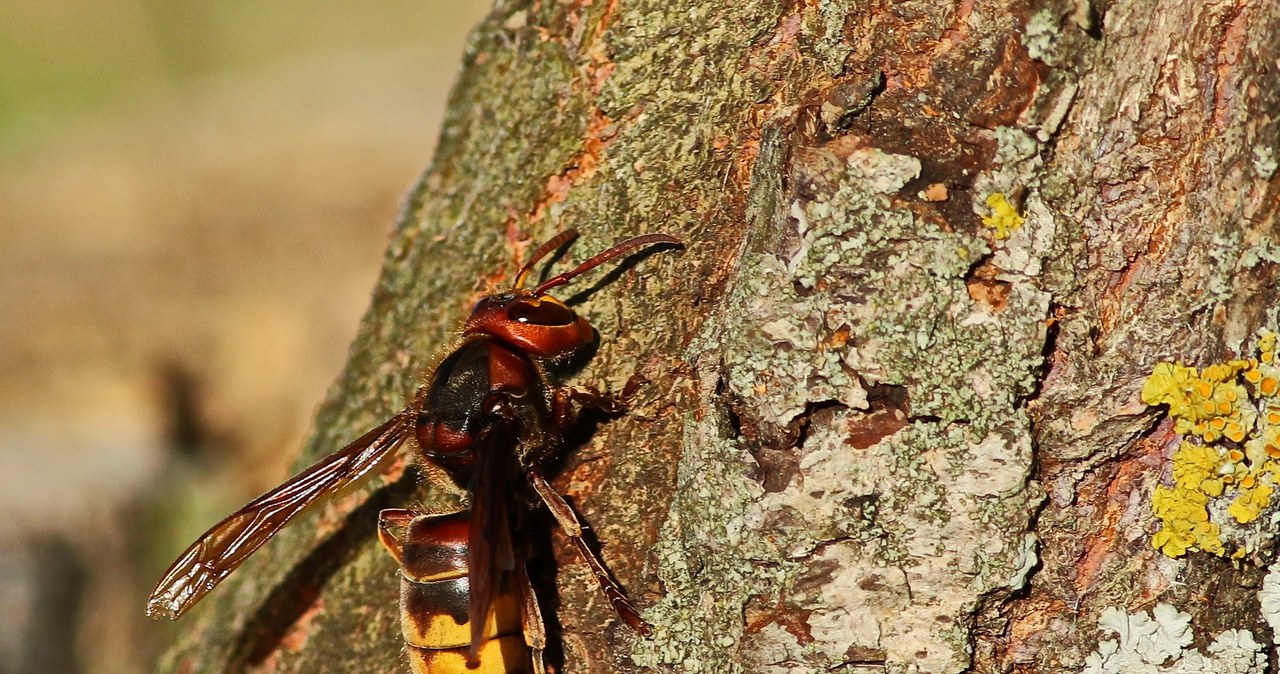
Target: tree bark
point(884, 429)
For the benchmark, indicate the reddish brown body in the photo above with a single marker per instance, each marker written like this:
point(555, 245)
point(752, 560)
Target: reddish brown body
point(453, 406)
point(485, 424)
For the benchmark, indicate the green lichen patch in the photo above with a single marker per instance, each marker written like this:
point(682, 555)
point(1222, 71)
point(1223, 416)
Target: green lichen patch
point(1227, 467)
point(868, 546)
point(701, 561)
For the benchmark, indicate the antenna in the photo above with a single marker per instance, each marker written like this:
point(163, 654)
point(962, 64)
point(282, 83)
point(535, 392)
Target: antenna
point(551, 244)
point(603, 257)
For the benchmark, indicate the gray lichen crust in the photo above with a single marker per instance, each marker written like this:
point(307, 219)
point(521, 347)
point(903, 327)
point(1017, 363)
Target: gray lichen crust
point(864, 553)
point(1161, 644)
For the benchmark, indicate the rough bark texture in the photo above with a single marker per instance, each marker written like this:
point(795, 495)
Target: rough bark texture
point(876, 437)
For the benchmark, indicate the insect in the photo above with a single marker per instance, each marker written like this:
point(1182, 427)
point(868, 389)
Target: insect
point(486, 424)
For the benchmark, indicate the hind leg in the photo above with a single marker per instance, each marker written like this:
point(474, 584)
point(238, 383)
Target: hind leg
point(535, 629)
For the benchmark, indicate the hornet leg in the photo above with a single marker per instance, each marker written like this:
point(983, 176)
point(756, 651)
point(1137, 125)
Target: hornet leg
point(535, 629)
point(390, 521)
point(568, 521)
point(563, 397)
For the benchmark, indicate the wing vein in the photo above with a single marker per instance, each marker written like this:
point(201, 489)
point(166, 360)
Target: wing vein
point(226, 545)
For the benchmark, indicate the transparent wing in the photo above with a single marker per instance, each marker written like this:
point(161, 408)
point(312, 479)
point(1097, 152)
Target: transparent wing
point(225, 546)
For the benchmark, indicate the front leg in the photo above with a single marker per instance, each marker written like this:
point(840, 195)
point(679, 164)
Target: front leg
point(563, 399)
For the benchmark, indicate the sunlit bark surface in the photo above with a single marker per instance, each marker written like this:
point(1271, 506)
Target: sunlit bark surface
point(892, 419)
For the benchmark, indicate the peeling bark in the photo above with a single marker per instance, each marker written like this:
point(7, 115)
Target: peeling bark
point(875, 437)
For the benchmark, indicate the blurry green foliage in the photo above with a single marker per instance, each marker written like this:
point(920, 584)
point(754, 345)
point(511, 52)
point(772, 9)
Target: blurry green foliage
point(70, 57)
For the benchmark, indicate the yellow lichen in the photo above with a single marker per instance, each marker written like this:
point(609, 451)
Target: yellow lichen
point(1230, 423)
point(1186, 524)
point(1004, 218)
point(1254, 497)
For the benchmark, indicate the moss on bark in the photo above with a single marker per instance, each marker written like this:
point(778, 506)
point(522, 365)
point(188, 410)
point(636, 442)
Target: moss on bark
point(855, 390)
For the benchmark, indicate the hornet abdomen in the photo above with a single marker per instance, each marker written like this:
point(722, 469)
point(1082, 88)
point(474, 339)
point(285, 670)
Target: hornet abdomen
point(435, 597)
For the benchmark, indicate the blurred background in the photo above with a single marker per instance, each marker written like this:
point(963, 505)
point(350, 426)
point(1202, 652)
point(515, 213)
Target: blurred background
point(194, 199)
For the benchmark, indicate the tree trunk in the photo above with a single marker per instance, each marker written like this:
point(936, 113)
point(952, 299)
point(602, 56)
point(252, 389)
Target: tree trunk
point(892, 419)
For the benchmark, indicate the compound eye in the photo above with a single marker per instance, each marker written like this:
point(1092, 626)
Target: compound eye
point(539, 312)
